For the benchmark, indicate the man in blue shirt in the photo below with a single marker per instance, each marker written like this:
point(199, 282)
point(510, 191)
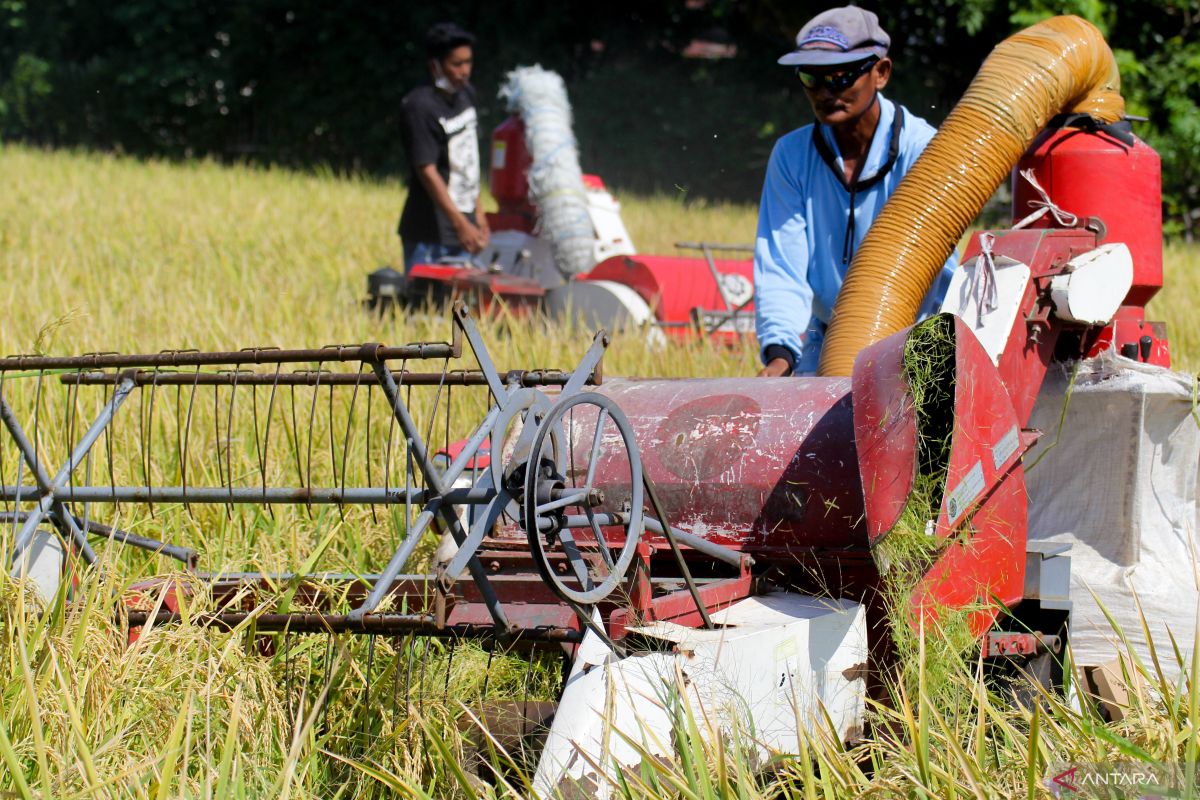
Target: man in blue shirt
point(826, 183)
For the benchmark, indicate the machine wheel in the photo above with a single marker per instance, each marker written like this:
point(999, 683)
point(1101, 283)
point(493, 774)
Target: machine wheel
point(593, 570)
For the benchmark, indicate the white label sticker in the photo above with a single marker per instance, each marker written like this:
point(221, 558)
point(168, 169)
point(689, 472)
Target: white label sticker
point(966, 491)
point(1006, 447)
point(499, 153)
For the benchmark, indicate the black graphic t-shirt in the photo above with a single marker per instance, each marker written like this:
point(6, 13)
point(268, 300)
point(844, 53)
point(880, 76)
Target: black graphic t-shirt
point(439, 129)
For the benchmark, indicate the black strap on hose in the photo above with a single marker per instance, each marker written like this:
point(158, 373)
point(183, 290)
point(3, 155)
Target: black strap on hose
point(830, 160)
point(1121, 130)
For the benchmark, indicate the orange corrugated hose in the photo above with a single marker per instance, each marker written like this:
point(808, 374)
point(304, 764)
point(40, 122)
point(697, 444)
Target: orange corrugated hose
point(1060, 65)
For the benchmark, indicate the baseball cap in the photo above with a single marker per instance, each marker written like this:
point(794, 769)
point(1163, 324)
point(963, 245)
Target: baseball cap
point(838, 36)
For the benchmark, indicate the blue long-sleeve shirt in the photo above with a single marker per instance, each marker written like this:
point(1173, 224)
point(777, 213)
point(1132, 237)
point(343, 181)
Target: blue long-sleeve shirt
point(802, 224)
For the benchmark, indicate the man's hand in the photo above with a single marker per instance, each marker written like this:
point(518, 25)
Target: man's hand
point(471, 237)
point(776, 368)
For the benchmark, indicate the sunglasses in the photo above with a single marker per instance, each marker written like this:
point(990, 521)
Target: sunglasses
point(835, 81)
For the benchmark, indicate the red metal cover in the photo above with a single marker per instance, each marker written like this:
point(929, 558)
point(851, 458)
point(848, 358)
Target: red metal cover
point(674, 286)
point(764, 465)
point(885, 432)
point(1096, 175)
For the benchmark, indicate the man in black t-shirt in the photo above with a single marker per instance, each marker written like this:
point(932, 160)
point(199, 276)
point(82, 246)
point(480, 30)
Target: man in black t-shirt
point(442, 218)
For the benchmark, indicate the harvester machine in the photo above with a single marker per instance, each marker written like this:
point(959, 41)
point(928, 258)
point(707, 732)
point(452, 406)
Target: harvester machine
point(730, 545)
point(560, 246)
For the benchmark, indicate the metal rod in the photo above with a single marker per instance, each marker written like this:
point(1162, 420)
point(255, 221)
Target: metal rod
point(669, 532)
point(419, 624)
point(716, 551)
point(464, 323)
point(733, 248)
point(392, 392)
point(253, 355)
point(49, 487)
point(310, 377)
point(256, 495)
point(185, 554)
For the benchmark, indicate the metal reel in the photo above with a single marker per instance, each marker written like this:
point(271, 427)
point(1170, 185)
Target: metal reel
point(593, 571)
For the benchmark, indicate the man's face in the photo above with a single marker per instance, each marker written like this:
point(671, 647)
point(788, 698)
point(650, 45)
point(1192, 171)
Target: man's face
point(456, 66)
point(833, 106)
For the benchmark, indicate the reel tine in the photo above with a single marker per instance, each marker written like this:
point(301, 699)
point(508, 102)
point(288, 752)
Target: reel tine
point(449, 669)
point(148, 440)
point(16, 507)
point(396, 654)
point(187, 439)
point(69, 426)
point(367, 704)
point(449, 397)
point(179, 425)
point(217, 444)
point(437, 396)
point(349, 425)
point(267, 437)
point(287, 670)
point(411, 472)
point(333, 459)
point(326, 681)
point(143, 451)
point(258, 453)
point(37, 418)
point(110, 432)
point(421, 678)
point(295, 431)
point(367, 449)
point(87, 479)
point(312, 415)
point(387, 454)
point(408, 482)
point(408, 671)
point(229, 449)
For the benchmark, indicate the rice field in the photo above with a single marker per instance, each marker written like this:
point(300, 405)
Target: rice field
point(102, 253)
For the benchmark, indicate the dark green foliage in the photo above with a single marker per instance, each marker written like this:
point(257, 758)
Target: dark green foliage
point(307, 83)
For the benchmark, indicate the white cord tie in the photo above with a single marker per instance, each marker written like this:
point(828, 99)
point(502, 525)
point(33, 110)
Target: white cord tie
point(984, 285)
point(1044, 206)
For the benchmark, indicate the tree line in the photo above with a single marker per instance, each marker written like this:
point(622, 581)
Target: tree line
point(318, 84)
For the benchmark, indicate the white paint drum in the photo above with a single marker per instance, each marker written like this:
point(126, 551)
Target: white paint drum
point(41, 563)
point(603, 304)
point(1094, 285)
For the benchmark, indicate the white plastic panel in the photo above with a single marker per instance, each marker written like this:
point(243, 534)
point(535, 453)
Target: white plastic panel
point(965, 299)
point(776, 664)
point(1094, 285)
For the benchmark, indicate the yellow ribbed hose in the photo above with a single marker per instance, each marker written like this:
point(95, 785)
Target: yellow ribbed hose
point(1060, 65)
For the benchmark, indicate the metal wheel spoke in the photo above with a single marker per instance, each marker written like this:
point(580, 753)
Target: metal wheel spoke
point(575, 558)
point(594, 453)
point(562, 502)
point(601, 545)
